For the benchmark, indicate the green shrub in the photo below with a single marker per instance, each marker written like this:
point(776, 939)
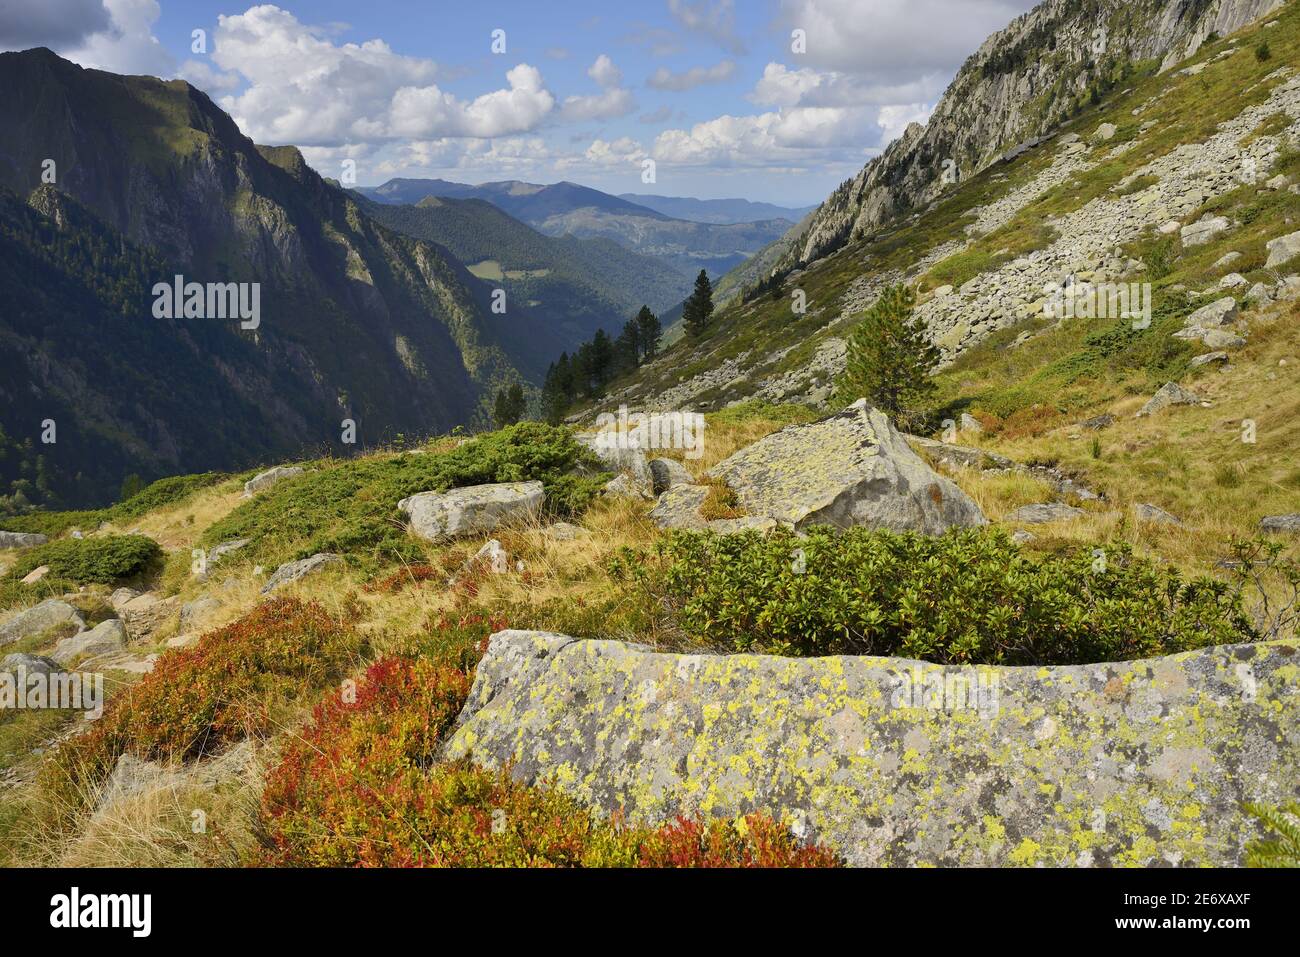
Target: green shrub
point(164, 492)
point(970, 596)
point(86, 561)
point(1282, 846)
point(351, 507)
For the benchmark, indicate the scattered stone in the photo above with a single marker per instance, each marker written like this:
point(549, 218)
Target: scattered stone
point(49, 615)
point(853, 468)
point(195, 613)
point(971, 424)
point(652, 736)
point(1105, 132)
point(1208, 358)
point(22, 539)
point(1227, 259)
point(1234, 280)
point(1288, 289)
point(225, 548)
point(1283, 249)
point(624, 486)
point(1171, 393)
point(105, 638)
point(132, 777)
point(1277, 182)
point(1045, 512)
point(620, 452)
point(35, 575)
point(1281, 523)
point(437, 516)
point(145, 614)
point(270, 477)
point(1203, 230)
point(121, 597)
point(566, 532)
point(32, 664)
point(1259, 294)
point(293, 571)
point(1155, 514)
point(1099, 422)
point(1222, 339)
point(665, 473)
point(1021, 537)
point(491, 556)
point(1221, 312)
point(1171, 227)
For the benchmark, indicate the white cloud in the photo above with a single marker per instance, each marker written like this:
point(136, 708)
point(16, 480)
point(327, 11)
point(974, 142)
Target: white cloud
point(715, 19)
point(607, 105)
point(125, 44)
point(428, 111)
point(661, 115)
point(303, 88)
point(897, 39)
point(895, 119)
point(779, 138)
point(207, 79)
point(57, 24)
point(781, 86)
point(624, 151)
point(665, 79)
point(604, 72)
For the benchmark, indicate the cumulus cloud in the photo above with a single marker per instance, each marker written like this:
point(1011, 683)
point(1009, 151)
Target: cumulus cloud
point(612, 102)
point(304, 88)
point(57, 24)
point(665, 79)
point(897, 39)
point(715, 19)
point(207, 79)
point(604, 72)
point(114, 35)
point(778, 138)
point(781, 86)
point(624, 151)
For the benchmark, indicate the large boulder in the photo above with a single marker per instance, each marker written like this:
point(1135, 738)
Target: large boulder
point(896, 762)
point(108, 637)
point(293, 571)
point(21, 539)
point(49, 616)
point(619, 452)
point(270, 477)
point(666, 473)
point(1281, 523)
point(437, 516)
point(1282, 250)
point(853, 468)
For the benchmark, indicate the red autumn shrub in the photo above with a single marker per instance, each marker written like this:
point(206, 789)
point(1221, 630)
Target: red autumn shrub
point(404, 577)
point(362, 787)
point(223, 689)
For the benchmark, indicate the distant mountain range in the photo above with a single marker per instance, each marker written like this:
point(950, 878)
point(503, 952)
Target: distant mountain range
point(720, 211)
point(572, 286)
point(152, 180)
point(568, 209)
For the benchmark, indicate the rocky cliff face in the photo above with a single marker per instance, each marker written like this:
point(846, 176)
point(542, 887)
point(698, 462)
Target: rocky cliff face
point(356, 322)
point(1019, 85)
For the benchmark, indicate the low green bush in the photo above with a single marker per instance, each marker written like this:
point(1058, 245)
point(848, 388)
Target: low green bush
point(351, 507)
point(164, 492)
point(104, 560)
point(970, 596)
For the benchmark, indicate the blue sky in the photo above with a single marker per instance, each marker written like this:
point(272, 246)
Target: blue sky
point(713, 92)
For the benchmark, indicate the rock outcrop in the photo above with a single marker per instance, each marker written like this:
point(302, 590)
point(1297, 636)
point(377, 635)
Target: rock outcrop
point(49, 616)
point(853, 468)
point(21, 539)
point(438, 516)
point(293, 571)
point(271, 477)
point(896, 762)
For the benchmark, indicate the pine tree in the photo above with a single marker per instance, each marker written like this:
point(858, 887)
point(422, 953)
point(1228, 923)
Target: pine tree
point(600, 361)
point(651, 332)
point(627, 347)
point(890, 359)
point(510, 405)
point(699, 307)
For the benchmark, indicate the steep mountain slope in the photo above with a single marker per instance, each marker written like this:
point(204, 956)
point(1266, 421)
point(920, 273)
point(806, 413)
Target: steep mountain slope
point(568, 209)
point(574, 286)
point(1024, 81)
point(356, 322)
point(716, 210)
point(1169, 147)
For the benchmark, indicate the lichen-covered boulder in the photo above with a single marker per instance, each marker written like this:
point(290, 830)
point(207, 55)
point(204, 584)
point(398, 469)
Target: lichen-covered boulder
point(896, 762)
point(853, 468)
point(1045, 512)
point(667, 473)
point(50, 615)
point(1169, 394)
point(437, 516)
point(620, 452)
